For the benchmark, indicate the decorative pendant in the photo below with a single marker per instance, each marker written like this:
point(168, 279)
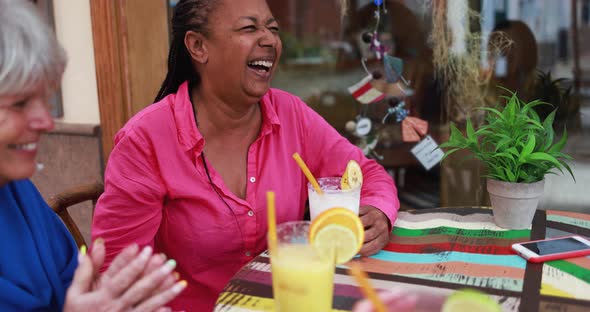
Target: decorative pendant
point(363, 126)
point(364, 92)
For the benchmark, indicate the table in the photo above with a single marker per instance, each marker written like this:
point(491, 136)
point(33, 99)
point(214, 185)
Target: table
point(444, 249)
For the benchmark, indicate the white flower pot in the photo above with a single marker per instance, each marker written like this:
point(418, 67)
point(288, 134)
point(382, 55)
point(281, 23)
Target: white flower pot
point(514, 204)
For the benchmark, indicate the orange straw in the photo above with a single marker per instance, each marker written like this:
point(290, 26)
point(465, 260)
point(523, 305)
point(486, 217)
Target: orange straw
point(307, 173)
point(363, 280)
point(272, 222)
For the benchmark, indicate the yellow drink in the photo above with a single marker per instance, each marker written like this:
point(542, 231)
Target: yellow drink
point(301, 280)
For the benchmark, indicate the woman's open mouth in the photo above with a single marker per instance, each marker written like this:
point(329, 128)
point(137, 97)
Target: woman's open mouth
point(261, 67)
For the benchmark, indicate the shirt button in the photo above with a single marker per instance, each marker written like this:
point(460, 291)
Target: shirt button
point(252, 179)
point(248, 254)
point(250, 213)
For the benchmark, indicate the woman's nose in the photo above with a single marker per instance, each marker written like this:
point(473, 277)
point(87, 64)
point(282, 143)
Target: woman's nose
point(269, 39)
point(39, 116)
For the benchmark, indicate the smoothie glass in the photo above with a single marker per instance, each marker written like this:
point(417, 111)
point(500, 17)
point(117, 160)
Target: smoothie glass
point(301, 280)
point(333, 196)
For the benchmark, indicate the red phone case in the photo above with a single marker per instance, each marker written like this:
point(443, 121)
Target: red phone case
point(558, 256)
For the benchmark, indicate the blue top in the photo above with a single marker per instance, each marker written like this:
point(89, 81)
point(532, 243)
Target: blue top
point(38, 256)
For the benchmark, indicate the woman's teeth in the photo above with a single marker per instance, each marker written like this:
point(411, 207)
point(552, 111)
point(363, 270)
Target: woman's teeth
point(25, 147)
point(267, 64)
point(261, 66)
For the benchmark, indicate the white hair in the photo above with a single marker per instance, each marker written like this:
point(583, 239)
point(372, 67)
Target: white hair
point(31, 59)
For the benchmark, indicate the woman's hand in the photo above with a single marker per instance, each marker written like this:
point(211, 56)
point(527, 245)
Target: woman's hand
point(395, 300)
point(376, 230)
point(135, 281)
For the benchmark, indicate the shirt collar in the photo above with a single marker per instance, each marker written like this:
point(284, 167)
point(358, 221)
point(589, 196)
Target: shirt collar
point(270, 119)
point(189, 135)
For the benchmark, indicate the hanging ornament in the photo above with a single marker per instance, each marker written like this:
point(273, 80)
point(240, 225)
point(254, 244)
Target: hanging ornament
point(412, 128)
point(394, 67)
point(377, 74)
point(373, 38)
point(379, 4)
point(399, 111)
point(364, 92)
point(363, 127)
point(350, 126)
point(378, 84)
point(377, 47)
point(367, 37)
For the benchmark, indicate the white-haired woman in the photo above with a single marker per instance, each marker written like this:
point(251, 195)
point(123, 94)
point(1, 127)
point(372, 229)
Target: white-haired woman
point(40, 266)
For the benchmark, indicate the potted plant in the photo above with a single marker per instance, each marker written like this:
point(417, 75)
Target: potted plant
point(518, 149)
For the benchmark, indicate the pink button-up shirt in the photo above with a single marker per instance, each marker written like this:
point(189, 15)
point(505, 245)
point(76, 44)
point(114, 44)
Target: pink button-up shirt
point(157, 191)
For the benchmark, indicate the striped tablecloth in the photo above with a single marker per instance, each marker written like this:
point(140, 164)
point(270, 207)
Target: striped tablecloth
point(441, 250)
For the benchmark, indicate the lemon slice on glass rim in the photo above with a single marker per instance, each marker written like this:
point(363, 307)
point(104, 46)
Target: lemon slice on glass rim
point(470, 300)
point(338, 234)
point(352, 177)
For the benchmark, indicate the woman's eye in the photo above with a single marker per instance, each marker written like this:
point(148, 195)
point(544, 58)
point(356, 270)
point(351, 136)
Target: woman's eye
point(20, 104)
point(274, 29)
point(250, 28)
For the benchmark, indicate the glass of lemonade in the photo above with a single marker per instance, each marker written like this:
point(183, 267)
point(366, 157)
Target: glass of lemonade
point(301, 280)
point(333, 196)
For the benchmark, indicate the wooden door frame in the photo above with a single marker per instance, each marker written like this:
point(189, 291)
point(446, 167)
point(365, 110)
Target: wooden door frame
point(111, 63)
point(131, 39)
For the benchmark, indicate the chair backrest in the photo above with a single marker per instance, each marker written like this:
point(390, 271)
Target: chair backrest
point(62, 201)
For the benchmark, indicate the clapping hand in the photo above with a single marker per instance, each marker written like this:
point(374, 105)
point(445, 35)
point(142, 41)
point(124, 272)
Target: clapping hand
point(135, 281)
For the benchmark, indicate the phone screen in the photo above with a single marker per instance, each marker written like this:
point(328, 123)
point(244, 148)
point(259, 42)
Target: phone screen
point(550, 247)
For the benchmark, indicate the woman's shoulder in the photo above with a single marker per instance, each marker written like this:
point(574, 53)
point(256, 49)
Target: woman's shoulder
point(151, 120)
point(152, 115)
point(24, 193)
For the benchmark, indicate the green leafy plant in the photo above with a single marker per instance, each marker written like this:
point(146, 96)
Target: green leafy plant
point(513, 142)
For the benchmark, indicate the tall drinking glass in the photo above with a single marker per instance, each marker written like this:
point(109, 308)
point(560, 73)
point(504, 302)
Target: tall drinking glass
point(333, 196)
point(301, 280)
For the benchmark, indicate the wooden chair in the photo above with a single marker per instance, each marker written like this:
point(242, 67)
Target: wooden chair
point(62, 201)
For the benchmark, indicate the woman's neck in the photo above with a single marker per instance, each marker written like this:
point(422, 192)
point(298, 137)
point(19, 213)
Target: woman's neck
point(218, 118)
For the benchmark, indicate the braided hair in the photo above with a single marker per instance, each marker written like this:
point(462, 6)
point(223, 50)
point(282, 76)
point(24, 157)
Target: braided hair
point(188, 15)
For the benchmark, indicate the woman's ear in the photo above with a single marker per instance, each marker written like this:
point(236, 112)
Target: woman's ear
point(195, 44)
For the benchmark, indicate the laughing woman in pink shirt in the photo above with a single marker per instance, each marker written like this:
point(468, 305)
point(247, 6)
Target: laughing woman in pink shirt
point(188, 174)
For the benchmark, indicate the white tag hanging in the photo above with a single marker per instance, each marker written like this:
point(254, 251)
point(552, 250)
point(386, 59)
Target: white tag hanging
point(363, 127)
point(427, 152)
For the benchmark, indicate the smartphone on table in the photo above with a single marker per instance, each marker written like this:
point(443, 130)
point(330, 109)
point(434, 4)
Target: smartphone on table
point(553, 248)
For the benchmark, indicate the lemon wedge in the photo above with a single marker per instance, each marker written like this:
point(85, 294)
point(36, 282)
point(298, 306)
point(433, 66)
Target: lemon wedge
point(336, 242)
point(470, 300)
point(352, 177)
point(337, 232)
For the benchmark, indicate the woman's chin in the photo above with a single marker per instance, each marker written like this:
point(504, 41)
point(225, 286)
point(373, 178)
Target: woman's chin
point(255, 87)
point(18, 172)
point(258, 91)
